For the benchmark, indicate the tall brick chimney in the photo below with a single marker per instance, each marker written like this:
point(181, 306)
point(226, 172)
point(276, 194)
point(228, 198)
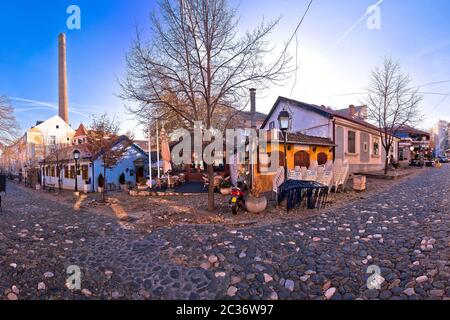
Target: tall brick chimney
point(352, 110)
point(253, 107)
point(62, 79)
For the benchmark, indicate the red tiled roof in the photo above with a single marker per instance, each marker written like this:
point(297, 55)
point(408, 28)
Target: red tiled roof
point(81, 131)
point(296, 137)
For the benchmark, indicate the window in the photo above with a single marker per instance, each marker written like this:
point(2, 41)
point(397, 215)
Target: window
point(84, 172)
point(52, 171)
point(66, 172)
point(52, 140)
point(272, 125)
point(376, 147)
point(72, 172)
point(57, 126)
point(366, 147)
point(351, 141)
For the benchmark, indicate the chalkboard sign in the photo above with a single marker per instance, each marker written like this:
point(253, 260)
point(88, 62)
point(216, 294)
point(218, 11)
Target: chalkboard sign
point(2, 183)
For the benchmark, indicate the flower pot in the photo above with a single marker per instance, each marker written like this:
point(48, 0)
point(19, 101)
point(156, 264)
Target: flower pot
point(225, 191)
point(100, 189)
point(38, 187)
point(256, 205)
point(86, 188)
point(124, 187)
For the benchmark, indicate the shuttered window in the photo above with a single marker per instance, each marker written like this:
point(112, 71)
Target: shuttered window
point(351, 142)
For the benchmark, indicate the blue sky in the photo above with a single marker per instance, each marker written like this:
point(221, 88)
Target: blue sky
point(416, 32)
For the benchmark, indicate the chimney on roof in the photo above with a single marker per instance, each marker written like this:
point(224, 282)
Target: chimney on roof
point(62, 79)
point(253, 107)
point(352, 110)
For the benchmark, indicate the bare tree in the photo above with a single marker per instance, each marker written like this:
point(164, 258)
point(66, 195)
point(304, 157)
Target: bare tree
point(8, 125)
point(103, 140)
point(195, 64)
point(391, 103)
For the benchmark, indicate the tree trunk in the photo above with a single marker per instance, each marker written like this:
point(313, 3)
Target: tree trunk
point(105, 184)
point(386, 163)
point(210, 170)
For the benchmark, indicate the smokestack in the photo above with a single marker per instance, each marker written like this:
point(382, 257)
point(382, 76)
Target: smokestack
point(62, 76)
point(253, 107)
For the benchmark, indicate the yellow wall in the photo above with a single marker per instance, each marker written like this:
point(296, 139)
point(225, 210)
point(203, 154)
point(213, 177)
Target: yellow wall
point(266, 179)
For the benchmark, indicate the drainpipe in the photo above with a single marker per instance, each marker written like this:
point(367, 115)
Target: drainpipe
point(93, 177)
point(253, 107)
point(252, 142)
point(334, 140)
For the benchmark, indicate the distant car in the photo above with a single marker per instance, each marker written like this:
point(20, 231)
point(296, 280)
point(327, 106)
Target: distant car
point(443, 159)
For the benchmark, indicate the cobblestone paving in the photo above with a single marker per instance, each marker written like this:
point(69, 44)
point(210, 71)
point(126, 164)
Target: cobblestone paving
point(404, 231)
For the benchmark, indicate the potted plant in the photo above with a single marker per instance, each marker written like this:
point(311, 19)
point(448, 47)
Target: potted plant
point(142, 184)
point(256, 202)
point(122, 181)
point(225, 187)
point(101, 183)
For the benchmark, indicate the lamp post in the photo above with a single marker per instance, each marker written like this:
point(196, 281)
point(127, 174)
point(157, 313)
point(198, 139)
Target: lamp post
point(76, 157)
point(283, 121)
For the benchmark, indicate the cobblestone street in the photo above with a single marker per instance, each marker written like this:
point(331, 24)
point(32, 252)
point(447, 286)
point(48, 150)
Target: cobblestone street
point(403, 230)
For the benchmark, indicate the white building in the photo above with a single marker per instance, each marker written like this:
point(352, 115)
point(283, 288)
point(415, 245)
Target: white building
point(440, 137)
point(37, 143)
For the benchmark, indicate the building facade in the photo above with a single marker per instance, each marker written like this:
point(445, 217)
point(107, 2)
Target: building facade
point(59, 168)
point(36, 144)
point(355, 141)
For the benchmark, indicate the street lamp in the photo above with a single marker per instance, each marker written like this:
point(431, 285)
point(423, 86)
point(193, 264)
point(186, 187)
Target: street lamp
point(76, 157)
point(283, 121)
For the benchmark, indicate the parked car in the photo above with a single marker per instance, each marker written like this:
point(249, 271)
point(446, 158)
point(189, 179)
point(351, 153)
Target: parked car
point(443, 159)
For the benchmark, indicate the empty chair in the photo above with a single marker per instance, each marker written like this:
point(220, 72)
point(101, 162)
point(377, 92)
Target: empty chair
point(291, 174)
point(329, 165)
point(337, 172)
point(314, 164)
point(303, 171)
point(278, 180)
point(341, 177)
point(320, 171)
point(310, 175)
point(326, 179)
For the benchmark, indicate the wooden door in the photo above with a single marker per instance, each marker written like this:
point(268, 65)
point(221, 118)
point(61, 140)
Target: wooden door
point(302, 159)
point(322, 158)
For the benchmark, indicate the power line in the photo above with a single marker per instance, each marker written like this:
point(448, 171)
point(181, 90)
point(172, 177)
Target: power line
point(296, 45)
point(298, 26)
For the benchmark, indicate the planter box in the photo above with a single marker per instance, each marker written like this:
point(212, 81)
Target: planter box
point(87, 188)
point(359, 183)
